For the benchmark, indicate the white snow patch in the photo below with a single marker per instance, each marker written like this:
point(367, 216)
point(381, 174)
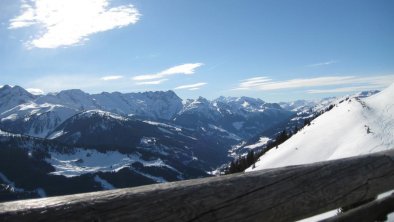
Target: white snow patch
point(89, 113)
point(10, 117)
point(104, 184)
point(320, 217)
point(147, 141)
point(385, 194)
point(90, 161)
point(178, 129)
point(390, 217)
point(262, 141)
point(165, 131)
point(56, 134)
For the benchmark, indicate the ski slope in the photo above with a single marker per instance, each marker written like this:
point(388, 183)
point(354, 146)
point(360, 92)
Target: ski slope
point(353, 127)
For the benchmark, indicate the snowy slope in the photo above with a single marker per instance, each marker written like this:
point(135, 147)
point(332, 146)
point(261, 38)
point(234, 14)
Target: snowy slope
point(354, 127)
point(304, 111)
point(83, 161)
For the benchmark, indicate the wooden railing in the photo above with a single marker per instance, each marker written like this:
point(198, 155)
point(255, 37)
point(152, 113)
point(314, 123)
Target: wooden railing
point(281, 194)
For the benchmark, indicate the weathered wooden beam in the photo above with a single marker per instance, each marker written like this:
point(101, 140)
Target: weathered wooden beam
point(369, 212)
point(282, 194)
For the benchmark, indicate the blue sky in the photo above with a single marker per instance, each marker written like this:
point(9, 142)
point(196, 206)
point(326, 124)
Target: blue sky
point(277, 50)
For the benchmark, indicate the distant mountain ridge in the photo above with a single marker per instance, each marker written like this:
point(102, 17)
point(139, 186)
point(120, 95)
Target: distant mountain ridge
point(38, 115)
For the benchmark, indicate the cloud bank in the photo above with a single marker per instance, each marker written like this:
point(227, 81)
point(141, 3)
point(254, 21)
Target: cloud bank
point(71, 22)
point(352, 83)
point(156, 82)
point(195, 86)
point(109, 78)
point(35, 91)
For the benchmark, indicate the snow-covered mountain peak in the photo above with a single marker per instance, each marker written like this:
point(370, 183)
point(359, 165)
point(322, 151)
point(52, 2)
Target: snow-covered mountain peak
point(13, 96)
point(200, 105)
point(104, 114)
point(159, 94)
point(74, 98)
point(241, 101)
point(297, 105)
point(14, 91)
point(202, 100)
point(72, 92)
point(243, 105)
point(250, 100)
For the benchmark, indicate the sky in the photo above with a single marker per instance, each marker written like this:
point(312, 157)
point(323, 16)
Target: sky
point(276, 50)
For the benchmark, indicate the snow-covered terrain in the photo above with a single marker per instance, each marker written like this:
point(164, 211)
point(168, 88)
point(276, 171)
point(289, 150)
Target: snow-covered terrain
point(262, 141)
point(38, 115)
point(353, 127)
point(83, 161)
point(10, 184)
point(88, 142)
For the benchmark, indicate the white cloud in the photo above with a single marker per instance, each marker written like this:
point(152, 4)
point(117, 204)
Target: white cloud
point(186, 69)
point(345, 89)
point(192, 89)
point(195, 86)
point(35, 91)
point(266, 84)
point(108, 78)
point(322, 63)
point(70, 22)
point(156, 82)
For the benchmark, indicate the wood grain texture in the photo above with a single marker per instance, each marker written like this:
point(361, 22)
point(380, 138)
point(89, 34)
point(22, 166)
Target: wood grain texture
point(281, 194)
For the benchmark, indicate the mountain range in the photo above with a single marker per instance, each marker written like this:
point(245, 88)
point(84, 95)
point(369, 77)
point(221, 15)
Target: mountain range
point(72, 141)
